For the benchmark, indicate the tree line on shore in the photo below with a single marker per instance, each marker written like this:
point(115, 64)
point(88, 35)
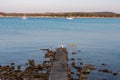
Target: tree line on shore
point(63, 14)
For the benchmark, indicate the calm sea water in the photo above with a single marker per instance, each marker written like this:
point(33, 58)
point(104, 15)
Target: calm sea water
point(97, 38)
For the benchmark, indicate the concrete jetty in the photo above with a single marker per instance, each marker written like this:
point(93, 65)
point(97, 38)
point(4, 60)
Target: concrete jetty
point(59, 67)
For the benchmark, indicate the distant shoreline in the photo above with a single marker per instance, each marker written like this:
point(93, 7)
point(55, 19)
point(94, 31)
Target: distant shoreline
point(50, 17)
point(63, 15)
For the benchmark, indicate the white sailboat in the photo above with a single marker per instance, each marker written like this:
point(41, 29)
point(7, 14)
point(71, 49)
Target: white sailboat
point(24, 17)
point(70, 18)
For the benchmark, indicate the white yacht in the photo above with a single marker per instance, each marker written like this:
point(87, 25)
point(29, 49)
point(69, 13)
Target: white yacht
point(70, 18)
point(24, 17)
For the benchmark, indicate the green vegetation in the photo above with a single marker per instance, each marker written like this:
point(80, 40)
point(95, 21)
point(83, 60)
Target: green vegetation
point(64, 14)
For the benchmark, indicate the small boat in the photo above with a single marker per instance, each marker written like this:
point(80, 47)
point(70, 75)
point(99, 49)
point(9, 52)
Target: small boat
point(24, 17)
point(69, 18)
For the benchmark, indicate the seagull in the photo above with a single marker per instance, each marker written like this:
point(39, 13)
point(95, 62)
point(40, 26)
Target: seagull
point(62, 46)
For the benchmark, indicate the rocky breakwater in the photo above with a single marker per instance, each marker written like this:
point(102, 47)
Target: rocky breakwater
point(31, 72)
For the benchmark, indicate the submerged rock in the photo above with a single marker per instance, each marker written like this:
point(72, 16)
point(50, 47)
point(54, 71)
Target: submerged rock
point(104, 79)
point(83, 77)
point(72, 59)
point(72, 73)
point(49, 55)
point(73, 63)
point(31, 62)
point(104, 64)
point(78, 50)
point(73, 45)
point(19, 67)
point(105, 70)
point(48, 50)
point(12, 63)
point(79, 59)
point(77, 67)
point(85, 71)
point(74, 52)
point(90, 66)
point(115, 73)
point(81, 63)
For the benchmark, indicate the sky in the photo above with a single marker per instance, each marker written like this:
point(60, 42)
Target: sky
point(39, 6)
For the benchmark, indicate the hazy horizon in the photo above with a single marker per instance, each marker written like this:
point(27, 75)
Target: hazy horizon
point(38, 6)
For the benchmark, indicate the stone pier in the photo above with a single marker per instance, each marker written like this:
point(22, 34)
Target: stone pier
point(59, 67)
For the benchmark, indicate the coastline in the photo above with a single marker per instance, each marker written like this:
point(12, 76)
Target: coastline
point(63, 15)
point(52, 17)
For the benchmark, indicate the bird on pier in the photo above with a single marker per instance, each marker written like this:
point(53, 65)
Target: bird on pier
point(62, 46)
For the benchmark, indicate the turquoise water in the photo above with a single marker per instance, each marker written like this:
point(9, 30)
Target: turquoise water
point(97, 38)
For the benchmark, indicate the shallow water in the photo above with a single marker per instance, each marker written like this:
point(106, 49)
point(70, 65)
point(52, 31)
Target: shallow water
point(97, 38)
